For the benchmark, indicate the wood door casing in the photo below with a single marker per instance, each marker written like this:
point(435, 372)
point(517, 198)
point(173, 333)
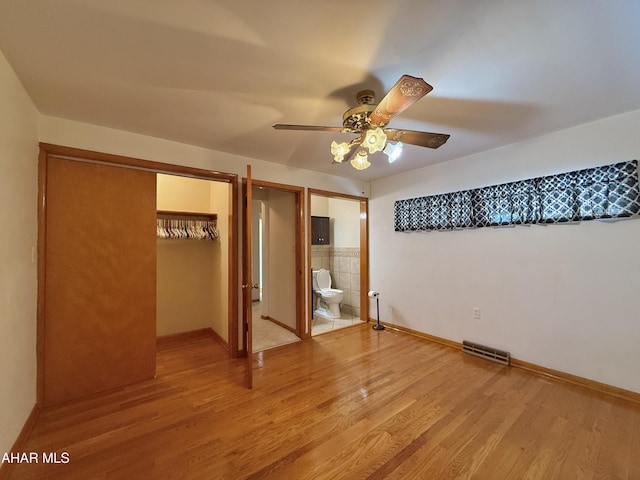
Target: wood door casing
point(247, 282)
point(364, 250)
point(298, 239)
point(100, 286)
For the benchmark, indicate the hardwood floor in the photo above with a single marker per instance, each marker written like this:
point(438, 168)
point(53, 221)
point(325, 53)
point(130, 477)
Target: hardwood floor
point(353, 404)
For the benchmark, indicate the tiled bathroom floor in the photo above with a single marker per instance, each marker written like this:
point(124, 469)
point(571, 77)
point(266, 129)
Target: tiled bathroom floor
point(321, 324)
point(267, 334)
point(268, 337)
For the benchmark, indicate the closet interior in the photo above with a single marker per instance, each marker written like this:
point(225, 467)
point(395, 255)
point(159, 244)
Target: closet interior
point(192, 256)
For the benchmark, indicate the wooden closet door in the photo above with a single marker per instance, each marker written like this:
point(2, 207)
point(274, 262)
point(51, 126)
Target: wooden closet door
point(100, 286)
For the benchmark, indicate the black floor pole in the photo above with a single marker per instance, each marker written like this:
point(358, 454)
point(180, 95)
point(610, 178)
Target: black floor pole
point(377, 326)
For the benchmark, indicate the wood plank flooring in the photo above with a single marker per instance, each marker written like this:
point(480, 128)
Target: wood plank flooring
point(351, 404)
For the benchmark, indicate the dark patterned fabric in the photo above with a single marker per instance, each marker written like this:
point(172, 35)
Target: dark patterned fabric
point(610, 191)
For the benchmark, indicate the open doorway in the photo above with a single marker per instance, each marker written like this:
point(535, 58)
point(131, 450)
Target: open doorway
point(277, 246)
point(338, 257)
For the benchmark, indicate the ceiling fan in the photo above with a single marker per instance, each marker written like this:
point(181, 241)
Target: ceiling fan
point(368, 120)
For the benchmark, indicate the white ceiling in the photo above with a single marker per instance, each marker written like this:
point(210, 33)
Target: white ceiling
point(220, 73)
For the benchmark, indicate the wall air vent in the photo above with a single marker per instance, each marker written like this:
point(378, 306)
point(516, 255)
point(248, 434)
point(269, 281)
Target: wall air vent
point(489, 353)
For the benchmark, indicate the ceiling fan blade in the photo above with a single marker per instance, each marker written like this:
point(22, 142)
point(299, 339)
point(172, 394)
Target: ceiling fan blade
point(422, 139)
point(402, 95)
point(280, 126)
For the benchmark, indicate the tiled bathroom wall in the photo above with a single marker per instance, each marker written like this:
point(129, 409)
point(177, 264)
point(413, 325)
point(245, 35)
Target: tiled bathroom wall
point(320, 257)
point(344, 265)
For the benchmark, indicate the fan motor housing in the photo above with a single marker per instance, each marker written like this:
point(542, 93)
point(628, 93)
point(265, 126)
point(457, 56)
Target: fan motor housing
point(357, 118)
point(366, 97)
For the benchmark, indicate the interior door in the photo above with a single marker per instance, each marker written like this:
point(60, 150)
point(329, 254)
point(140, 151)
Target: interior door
point(256, 246)
point(247, 279)
point(100, 287)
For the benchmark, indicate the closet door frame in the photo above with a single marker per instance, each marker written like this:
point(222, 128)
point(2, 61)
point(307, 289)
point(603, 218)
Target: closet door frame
point(51, 151)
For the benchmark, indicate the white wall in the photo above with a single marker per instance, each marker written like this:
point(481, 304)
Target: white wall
point(280, 286)
point(560, 296)
point(319, 206)
point(345, 218)
point(18, 232)
point(183, 194)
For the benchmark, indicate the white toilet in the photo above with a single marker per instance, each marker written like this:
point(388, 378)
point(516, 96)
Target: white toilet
point(328, 298)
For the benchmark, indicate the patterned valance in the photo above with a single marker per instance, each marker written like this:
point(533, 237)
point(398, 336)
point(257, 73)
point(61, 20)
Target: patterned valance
point(610, 191)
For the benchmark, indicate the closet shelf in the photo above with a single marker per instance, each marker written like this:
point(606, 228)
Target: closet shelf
point(175, 214)
point(187, 225)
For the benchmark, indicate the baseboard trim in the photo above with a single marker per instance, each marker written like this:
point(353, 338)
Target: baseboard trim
point(219, 339)
point(416, 333)
point(279, 323)
point(191, 335)
point(531, 367)
point(18, 445)
point(576, 380)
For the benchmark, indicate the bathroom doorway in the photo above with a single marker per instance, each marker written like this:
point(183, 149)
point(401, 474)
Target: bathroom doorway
point(277, 257)
point(344, 256)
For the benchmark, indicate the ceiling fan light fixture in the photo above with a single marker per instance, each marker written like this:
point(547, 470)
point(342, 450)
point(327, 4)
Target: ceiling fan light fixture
point(374, 140)
point(339, 150)
point(360, 161)
point(393, 151)
point(369, 122)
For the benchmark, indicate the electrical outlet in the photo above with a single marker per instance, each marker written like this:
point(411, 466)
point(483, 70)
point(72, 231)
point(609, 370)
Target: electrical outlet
point(476, 313)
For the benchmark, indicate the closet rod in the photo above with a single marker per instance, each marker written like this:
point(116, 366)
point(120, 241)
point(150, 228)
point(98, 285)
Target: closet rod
point(213, 216)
